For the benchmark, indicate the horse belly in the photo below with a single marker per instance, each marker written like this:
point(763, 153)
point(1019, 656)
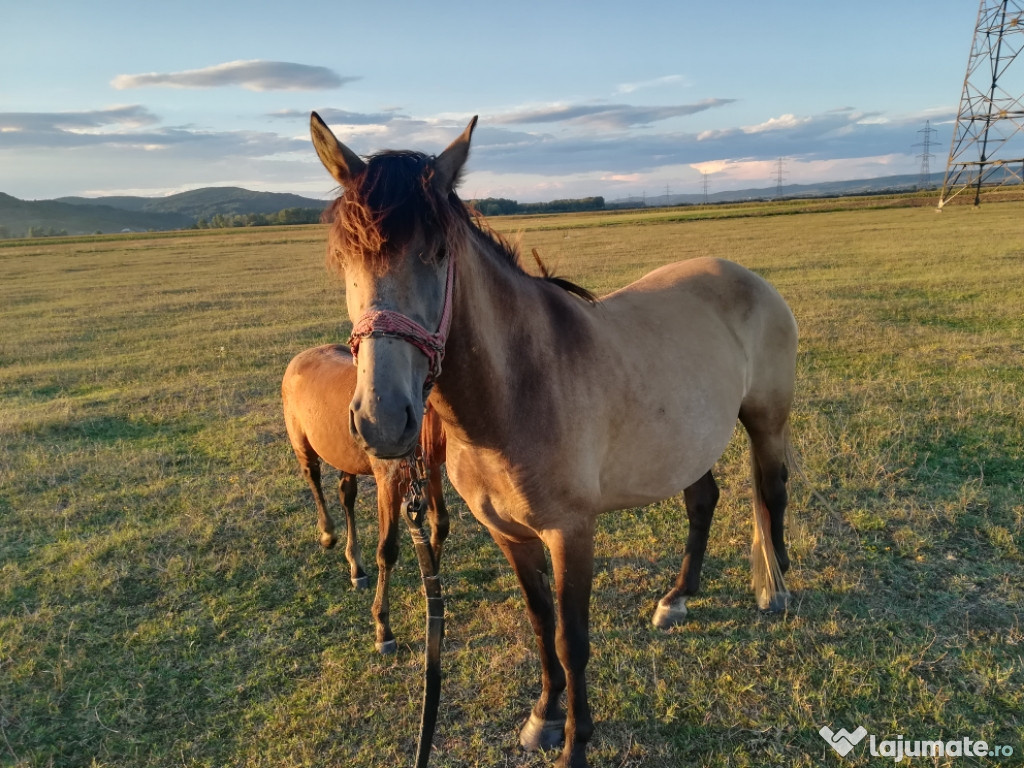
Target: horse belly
point(682, 333)
point(667, 457)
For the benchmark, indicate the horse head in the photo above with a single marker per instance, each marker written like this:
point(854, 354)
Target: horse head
point(395, 237)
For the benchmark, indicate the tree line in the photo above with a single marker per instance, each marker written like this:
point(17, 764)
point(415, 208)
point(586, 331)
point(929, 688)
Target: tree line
point(500, 206)
point(282, 217)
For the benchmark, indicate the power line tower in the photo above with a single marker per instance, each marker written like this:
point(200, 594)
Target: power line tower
point(779, 176)
point(704, 174)
point(988, 142)
point(925, 180)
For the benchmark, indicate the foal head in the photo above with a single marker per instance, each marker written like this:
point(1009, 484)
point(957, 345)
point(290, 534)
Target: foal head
point(397, 228)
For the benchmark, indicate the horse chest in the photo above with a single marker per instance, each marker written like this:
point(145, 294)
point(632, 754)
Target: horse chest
point(504, 497)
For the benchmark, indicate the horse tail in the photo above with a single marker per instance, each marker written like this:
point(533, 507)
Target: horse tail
point(769, 585)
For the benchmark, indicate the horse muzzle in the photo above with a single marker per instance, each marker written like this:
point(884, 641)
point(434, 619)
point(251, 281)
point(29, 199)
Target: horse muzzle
point(390, 433)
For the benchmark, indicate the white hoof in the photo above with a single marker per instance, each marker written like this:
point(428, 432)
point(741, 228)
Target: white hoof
point(387, 647)
point(361, 582)
point(540, 734)
point(669, 614)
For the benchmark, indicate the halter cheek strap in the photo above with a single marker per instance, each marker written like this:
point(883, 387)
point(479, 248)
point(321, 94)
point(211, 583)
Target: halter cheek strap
point(388, 323)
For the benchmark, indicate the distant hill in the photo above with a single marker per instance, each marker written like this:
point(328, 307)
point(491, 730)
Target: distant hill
point(205, 202)
point(86, 215)
point(19, 218)
point(882, 185)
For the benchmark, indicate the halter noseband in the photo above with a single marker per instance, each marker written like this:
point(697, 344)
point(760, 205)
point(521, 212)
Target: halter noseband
point(388, 323)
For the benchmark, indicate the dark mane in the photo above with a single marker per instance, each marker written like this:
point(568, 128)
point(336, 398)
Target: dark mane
point(380, 211)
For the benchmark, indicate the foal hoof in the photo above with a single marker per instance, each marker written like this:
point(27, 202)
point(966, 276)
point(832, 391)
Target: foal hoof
point(539, 734)
point(669, 614)
point(361, 582)
point(777, 602)
point(387, 647)
point(328, 540)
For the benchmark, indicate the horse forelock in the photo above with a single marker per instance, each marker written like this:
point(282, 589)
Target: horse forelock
point(385, 206)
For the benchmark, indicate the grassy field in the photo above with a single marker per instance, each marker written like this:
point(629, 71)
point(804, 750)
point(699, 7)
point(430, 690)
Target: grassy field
point(164, 601)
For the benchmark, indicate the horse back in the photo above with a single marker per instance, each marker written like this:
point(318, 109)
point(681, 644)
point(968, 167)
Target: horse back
point(707, 309)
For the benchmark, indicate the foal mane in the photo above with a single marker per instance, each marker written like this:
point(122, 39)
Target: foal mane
point(379, 212)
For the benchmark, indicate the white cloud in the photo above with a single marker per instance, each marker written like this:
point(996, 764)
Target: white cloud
point(781, 123)
point(254, 75)
point(655, 83)
point(603, 116)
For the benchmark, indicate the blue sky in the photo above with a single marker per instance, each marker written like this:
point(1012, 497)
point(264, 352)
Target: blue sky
point(575, 99)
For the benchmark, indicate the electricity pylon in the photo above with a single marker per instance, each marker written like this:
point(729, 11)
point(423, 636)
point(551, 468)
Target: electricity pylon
point(988, 142)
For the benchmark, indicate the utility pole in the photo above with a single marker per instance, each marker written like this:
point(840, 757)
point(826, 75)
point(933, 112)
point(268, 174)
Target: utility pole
point(987, 148)
point(779, 176)
point(925, 180)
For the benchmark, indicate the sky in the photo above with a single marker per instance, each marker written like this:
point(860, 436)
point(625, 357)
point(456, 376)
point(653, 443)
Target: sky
point(575, 99)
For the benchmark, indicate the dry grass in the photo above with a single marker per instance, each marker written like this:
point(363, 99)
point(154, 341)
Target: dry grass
point(165, 601)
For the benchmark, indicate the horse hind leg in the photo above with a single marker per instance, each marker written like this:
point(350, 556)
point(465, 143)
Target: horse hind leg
point(701, 498)
point(437, 513)
point(347, 489)
point(769, 558)
point(309, 463)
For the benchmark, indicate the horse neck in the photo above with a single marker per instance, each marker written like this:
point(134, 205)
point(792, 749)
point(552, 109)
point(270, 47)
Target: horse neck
point(501, 345)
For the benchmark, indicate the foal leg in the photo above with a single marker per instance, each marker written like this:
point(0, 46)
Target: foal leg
point(545, 728)
point(347, 488)
point(701, 498)
point(389, 499)
point(309, 463)
point(437, 513)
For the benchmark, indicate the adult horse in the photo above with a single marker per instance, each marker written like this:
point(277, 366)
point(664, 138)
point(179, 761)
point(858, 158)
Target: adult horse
point(316, 391)
point(555, 408)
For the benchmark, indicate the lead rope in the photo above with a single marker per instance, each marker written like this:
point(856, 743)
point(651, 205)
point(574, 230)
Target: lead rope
point(413, 508)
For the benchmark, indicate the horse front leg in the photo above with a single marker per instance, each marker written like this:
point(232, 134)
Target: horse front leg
point(389, 499)
point(572, 560)
point(546, 725)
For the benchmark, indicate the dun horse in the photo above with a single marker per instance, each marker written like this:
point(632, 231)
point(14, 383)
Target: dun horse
point(316, 392)
point(555, 408)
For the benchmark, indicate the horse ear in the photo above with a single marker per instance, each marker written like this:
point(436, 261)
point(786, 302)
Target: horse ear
point(448, 166)
point(340, 161)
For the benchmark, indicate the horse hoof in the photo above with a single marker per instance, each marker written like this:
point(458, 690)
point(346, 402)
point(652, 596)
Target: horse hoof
point(777, 602)
point(360, 582)
point(669, 614)
point(539, 734)
point(387, 647)
point(328, 540)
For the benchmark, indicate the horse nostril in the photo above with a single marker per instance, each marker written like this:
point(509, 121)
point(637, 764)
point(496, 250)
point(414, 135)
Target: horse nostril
point(411, 423)
point(352, 428)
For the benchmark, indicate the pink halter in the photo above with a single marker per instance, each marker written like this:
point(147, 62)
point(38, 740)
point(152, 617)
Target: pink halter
point(387, 322)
